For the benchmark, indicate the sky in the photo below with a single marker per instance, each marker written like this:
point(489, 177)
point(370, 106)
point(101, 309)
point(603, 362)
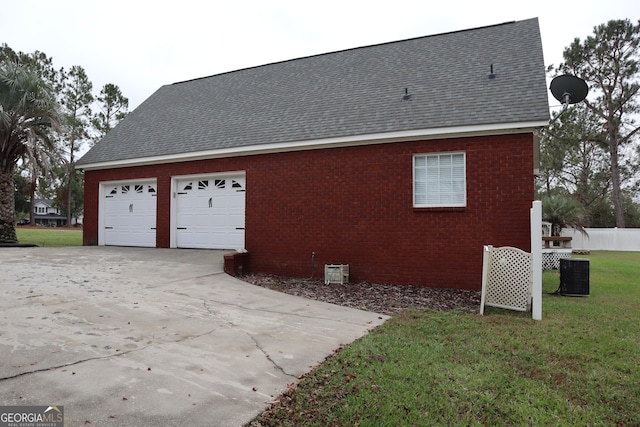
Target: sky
point(141, 45)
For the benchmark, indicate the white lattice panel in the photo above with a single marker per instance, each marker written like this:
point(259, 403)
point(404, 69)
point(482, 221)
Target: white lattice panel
point(551, 259)
point(508, 278)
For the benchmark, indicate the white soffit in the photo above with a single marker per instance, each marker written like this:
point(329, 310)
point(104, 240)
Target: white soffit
point(344, 141)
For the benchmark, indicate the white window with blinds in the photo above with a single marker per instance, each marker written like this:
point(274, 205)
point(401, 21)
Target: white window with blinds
point(439, 180)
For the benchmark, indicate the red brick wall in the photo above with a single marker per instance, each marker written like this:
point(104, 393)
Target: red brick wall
point(354, 206)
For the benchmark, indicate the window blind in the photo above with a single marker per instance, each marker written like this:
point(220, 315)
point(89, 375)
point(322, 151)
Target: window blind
point(439, 180)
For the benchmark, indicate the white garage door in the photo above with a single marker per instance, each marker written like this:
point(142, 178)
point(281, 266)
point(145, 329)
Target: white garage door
point(130, 214)
point(210, 212)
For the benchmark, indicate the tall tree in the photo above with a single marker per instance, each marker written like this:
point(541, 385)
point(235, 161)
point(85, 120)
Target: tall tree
point(40, 63)
point(37, 61)
point(112, 106)
point(574, 159)
point(76, 101)
point(28, 112)
point(608, 61)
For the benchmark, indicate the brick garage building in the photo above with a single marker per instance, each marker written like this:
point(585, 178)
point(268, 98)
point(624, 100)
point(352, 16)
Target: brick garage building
point(401, 159)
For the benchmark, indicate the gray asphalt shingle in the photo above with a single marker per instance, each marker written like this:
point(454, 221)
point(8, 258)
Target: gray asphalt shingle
point(346, 93)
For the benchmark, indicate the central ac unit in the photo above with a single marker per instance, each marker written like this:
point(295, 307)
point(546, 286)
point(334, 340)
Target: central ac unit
point(574, 277)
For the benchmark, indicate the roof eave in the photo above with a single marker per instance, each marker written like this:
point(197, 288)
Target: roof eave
point(343, 141)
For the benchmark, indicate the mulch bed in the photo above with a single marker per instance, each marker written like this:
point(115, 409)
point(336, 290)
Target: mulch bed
point(378, 298)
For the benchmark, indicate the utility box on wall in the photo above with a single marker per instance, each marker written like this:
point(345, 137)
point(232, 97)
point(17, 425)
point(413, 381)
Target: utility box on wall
point(336, 273)
point(574, 277)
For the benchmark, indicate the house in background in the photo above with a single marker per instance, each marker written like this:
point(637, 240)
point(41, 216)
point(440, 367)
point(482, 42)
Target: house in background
point(399, 159)
point(46, 214)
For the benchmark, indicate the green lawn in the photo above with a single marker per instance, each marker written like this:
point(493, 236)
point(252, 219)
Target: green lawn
point(46, 236)
point(579, 366)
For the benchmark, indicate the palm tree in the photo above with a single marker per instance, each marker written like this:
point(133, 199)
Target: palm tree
point(562, 212)
point(28, 112)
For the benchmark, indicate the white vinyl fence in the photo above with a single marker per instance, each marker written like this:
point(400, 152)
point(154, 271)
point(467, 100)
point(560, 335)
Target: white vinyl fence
point(607, 239)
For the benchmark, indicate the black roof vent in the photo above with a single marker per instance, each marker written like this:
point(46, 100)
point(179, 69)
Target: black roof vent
point(491, 75)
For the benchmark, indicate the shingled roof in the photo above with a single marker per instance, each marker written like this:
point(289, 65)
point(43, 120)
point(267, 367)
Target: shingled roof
point(351, 93)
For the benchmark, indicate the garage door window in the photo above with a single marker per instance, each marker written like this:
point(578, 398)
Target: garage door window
point(137, 188)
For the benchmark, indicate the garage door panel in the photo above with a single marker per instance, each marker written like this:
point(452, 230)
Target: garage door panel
point(129, 214)
point(194, 239)
point(194, 222)
point(210, 213)
point(227, 222)
point(235, 239)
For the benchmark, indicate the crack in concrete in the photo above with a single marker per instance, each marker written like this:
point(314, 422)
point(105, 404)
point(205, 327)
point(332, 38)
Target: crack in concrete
point(187, 338)
point(206, 307)
point(255, 341)
point(77, 362)
point(188, 279)
point(273, 362)
point(217, 315)
point(108, 356)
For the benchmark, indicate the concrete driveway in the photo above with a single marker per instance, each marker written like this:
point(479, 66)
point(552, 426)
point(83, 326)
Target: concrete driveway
point(150, 337)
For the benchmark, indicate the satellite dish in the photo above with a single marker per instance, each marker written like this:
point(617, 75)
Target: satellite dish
point(568, 89)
